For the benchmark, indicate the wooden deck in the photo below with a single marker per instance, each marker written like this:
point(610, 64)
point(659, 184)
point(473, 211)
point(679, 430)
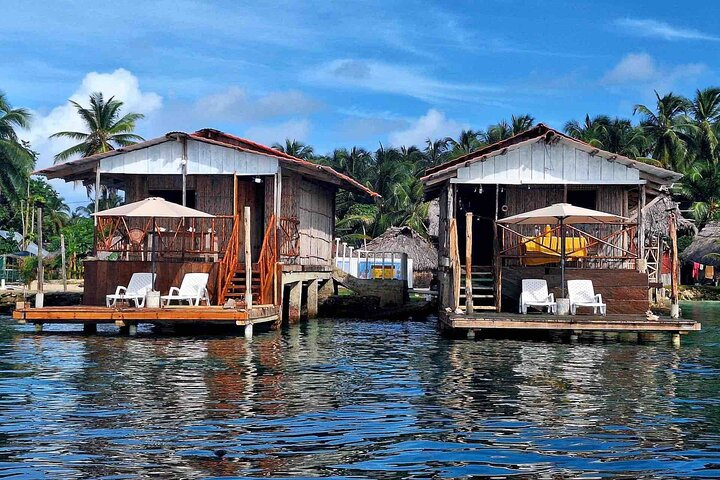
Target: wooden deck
point(608, 323)
point(126, 316)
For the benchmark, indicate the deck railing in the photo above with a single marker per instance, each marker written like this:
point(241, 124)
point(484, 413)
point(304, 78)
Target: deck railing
point(607, 246)
point(267, 261)
point(184, 239)
point(229, 262)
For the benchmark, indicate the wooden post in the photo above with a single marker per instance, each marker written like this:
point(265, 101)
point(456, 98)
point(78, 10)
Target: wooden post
point(97, 191)
point(40, 295)
point(183, 162)
point(62, 262)
point(248, 259)
point(497, 261)
point(641, 224)
point(454, 267)
point(468, 262)
point(674, 295)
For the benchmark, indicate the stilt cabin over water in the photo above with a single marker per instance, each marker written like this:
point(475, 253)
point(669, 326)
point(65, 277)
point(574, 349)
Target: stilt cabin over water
point(532, 170)
point(292, 217)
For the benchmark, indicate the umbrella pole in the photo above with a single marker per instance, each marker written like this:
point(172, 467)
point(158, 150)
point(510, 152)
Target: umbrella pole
point(154, 250)
point(562, 257)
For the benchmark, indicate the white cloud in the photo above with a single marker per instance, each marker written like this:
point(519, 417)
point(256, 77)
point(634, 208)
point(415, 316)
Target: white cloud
point(396, 79)
point(631, 68)
point(235, 104)
point(298, 129)
point(640, 70)
point(434, 124)
point(645, 27)
point(121, 84)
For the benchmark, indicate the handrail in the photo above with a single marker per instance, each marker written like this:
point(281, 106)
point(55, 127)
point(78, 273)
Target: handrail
point(229, 262)
point(267, 261)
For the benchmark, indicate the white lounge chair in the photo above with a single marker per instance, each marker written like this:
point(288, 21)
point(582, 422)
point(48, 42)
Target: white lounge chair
point(193, 289)
point(535, 294)
point(582, 294)
point(140, 283)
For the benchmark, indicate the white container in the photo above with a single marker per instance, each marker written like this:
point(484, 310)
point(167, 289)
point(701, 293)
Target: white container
point(152, 299)
point(563, 306)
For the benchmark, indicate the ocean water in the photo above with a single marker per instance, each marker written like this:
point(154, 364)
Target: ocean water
point(355, 399)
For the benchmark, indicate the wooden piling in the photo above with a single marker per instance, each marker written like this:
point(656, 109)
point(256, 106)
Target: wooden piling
point(454, 266)
point(468, 262)
point(63, 266)
point(248, 258)
point(40, 295)
point(674, 274)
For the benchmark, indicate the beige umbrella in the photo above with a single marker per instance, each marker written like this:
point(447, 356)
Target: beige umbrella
point(153, 207)
point(561, 214)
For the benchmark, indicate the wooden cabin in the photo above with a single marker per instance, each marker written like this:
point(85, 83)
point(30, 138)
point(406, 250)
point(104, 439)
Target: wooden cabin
point(535, 169)
point(292, 216)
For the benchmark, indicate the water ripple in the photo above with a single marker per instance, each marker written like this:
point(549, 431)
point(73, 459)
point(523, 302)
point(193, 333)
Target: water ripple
point(353, 399)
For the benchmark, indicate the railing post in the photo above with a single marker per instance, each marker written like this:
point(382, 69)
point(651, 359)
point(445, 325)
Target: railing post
point(248, 259)
point(468, 263)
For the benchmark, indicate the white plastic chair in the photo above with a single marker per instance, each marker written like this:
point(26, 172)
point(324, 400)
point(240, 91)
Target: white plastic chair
point(535, 294)
point(193, 289)
point(140, 283)
point(582, 294)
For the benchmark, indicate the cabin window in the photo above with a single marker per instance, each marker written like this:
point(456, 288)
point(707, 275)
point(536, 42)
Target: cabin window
point(175, 196)
point(583, 198)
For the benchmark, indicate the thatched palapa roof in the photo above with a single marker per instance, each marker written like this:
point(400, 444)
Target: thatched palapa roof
point(656, 214)
point(705, 247)
point(406, 240)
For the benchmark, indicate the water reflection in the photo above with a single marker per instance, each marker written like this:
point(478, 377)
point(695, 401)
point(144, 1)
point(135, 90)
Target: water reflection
point(362, 399)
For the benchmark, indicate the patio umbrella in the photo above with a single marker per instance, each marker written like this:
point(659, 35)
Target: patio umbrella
point(153, 207)
point(561, 214)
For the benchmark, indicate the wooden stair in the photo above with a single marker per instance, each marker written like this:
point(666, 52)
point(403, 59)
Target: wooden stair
point(483, 288)
point(236, 288)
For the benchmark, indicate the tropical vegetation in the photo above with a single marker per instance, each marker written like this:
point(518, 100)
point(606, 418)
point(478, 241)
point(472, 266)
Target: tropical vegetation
point(674, 132)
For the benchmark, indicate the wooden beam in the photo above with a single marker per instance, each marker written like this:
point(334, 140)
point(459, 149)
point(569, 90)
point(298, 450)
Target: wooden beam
point(674, 265)
point(40, 260)
point(248, 258)
point(641, 223)
point(454, 266)
point(468, 262)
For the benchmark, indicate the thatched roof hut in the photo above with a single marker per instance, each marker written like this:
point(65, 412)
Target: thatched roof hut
point(705, 247)
point(656, 214)
point(406, 240)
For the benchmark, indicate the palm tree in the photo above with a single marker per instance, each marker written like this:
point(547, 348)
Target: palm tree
point(705, 112)
point(466, 143)
point(504, 129)
point(669, 128)
point(591, 131)
point(621, 137)
point(106, 129)
point(296, 149)
point(436, 151)
point(16, 158)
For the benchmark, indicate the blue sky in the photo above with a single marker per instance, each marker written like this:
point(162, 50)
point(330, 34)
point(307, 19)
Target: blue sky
point(333, 74)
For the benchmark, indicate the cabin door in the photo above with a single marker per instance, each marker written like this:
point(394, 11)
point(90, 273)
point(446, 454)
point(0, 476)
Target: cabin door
point(481, 202)
point(249, 193)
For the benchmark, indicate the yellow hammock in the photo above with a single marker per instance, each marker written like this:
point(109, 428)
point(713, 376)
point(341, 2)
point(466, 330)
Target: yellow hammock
point(545, 249)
